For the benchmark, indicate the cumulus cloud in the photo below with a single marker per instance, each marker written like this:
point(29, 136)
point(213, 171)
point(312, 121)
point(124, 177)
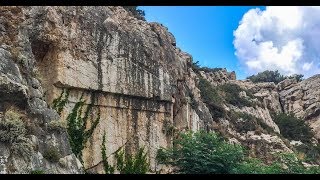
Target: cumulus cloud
point(279, 38)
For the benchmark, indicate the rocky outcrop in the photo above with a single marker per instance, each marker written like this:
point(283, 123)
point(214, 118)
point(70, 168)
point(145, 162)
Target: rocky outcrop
point(303, 100)
point(132, 83)
point(218, 77)
point(128, 69)
point(24, 114)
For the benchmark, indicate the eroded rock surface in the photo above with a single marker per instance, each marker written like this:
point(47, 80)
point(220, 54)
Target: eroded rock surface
point(138, 83)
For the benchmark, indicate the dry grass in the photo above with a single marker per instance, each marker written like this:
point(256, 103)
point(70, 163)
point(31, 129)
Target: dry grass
point(13, 131)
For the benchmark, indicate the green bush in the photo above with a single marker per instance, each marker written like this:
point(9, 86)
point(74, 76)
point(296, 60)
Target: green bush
point(216, 110)
point(52, 154)
point(201, 153)
point(247, 122)
point(284, 163)
point(57, 125)
point(11, 126)
point(256, 166)
point(207, 153)
point(108, 169)
point(208, 93)
point(13, 131)
point(298, 77)
point(207, 70)
point(212, 98)
point(293, 128)
point(59, 103)
point(273, 76)
point(193, 103)
point(231, 95)
point(37, 171)
point(196, 68)
point(228, 93)
point(168, 128)
point(76, 121)
point(132, 164)
point(311, 151)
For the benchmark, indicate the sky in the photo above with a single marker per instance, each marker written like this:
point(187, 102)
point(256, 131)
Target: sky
point(245, 39)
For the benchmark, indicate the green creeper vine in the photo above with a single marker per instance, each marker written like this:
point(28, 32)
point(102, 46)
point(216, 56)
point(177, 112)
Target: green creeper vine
point(132, 164)
point(126, 163)
point(108, 169)
point(76, 121)
point(59, 103)
point(78, 135)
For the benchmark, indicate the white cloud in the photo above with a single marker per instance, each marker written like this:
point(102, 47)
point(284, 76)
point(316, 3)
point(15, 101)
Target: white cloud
point(307, 66)
point(279, 38)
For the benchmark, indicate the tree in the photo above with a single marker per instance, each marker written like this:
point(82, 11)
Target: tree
point(207, 153)
point(273, 76)
point(293, 128)
point(267, 76)
point(201, 153)
point(298, 77)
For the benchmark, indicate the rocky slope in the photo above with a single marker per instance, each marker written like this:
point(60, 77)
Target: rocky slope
point(126, 79)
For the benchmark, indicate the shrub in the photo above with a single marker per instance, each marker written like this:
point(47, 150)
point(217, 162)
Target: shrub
point(292, 163)
point(256, 166)
point(193, 103)
point(206, 69)
point(52, 154)
point(57, 125)
point(208, 93)
point(11, 126)
point(267, 76)
point(312, 152)
point(13, 131)
point(206, 153)
point(231, 94)
point(284, 163)
point(216, 110)
point(264, 126)
point(273, 76)
point(201, 153)
point(212, 98)
point(196, 68)
point(243, 122)
point(293, 128)
point(132, 164)
point(37, 171)
point(168, 128)
point(108, 169)
point(298, 77)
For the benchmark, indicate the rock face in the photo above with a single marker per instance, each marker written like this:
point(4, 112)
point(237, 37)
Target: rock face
point(134, 84)
point(24, 114)
point(303, 99)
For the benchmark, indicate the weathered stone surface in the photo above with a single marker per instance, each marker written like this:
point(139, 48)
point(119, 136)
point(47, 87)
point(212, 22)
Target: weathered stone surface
point(303, 99)
point(21, 90)
point(134, 76)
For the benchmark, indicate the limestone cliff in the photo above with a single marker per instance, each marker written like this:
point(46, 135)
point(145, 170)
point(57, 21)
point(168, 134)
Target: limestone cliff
point(133, 84)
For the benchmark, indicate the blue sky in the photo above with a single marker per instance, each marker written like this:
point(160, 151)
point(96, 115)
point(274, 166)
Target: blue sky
point(205, 32)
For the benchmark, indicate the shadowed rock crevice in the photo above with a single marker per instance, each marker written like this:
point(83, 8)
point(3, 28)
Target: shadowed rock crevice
point(39, 49)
